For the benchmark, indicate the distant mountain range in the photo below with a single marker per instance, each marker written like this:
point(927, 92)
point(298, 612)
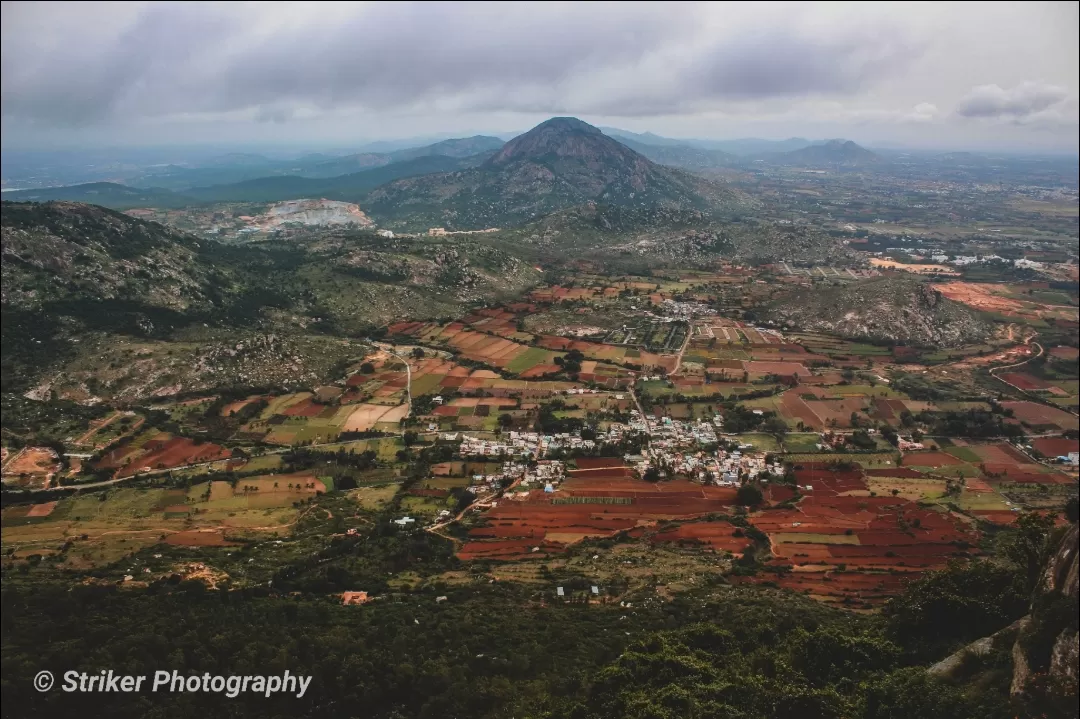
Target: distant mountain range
point(456, 148)
point(706, 155)
point(348, 188)
point(687, 157)
point(240, 167)
point(745, 147)
point(106, 194)
point(474, 181)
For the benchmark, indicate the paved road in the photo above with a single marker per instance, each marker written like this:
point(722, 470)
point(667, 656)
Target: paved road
point(408, 375)
point(434, 528)
point(640, 409)
point(1027, 341)
point(682, 350)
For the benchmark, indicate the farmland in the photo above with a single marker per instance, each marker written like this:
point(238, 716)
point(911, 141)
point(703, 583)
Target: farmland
point(859, 449)
point(99, 530)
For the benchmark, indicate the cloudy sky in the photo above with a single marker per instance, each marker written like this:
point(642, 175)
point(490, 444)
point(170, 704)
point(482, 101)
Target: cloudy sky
point(985, 75)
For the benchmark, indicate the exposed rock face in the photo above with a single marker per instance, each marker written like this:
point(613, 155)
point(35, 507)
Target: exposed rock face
point(1053, 617)
point(312, 212)
point(952, 664)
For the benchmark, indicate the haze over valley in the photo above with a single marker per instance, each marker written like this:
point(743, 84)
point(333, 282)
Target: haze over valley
point(541, 360)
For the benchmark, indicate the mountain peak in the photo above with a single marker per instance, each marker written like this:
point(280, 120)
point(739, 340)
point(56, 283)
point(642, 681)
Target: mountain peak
point(567, 124)
point(562, 162)
point(560, 137)
point(833, 152)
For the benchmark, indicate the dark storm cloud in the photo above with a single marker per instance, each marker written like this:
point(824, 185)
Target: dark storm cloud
point(1018, 103)
point(74, 75)
point(616, 59)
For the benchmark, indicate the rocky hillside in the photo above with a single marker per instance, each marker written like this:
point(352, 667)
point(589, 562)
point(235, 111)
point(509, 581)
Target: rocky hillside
point(78, 278)
point(1046, 655)
point(561, 163)
point(896, 309)
point(65, 251)
point(457, 147)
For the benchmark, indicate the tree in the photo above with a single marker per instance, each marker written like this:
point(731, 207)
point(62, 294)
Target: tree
point(749, 495)
point(957, 604)
point(1028, 546)
point(652, 474)
point(418, 352)
point(367, 368)
point(505, 420)
point(776, 426)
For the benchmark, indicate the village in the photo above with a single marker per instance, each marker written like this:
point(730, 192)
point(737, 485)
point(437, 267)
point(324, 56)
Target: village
point(696, 450)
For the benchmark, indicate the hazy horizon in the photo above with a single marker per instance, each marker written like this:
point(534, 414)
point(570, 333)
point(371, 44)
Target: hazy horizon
point(914, 76)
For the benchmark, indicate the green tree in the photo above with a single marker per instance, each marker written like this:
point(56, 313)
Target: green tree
point(1028, 546)
point(749, 495)
point(960, 603)
point(775, 426)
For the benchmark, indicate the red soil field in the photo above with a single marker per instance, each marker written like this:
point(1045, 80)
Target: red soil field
point(929, 459)
point(717, 535)
point(1071, 353)
point(41, 510)
point(901, 472)
point(1038, 414)
point(1001, 517)
point(888, 409)
point(1055, 446)
point(174, 452)
point(781, 368)
point(873, 535)
point(536, 520)
point(1000, 453)
point(198, 539)
point(1024, 381)
point(1010, 473)
point(793, 406)
point(304, 408)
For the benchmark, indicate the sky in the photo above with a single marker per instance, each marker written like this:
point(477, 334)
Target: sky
point(958, 76)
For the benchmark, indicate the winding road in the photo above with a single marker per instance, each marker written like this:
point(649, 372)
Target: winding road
point(408, 374)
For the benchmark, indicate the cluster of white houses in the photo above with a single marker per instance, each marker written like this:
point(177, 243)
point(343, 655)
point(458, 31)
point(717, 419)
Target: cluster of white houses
point(521, 444)
point(675, 447)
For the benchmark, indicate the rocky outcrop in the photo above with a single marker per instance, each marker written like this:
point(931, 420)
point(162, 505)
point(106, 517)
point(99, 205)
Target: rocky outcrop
point(1047, 650)
point(953, 664)
point(895, 309)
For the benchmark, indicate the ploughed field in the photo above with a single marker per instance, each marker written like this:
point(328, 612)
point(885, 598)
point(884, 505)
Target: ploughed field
point(602, 505)
point(838, 536)
point(840, 544)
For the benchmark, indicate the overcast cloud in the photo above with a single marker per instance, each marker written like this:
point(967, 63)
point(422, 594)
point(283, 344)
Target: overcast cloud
point(935, 75)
